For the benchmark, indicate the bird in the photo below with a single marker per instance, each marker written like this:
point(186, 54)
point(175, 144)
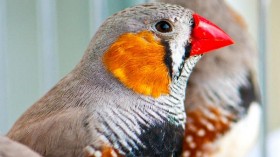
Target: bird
point(223, 99)
point(126, 95)
point(9, 148)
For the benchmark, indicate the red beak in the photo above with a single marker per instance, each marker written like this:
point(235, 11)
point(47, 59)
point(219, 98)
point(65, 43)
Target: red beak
point(206, 36)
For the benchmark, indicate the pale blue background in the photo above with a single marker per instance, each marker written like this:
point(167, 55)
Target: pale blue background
point(42, 40)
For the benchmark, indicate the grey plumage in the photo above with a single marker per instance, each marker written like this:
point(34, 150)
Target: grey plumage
point(90, 106)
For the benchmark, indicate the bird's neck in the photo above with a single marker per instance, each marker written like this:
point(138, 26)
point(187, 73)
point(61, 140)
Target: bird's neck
point(179, 83)
point(173, 103)
point(148, 126)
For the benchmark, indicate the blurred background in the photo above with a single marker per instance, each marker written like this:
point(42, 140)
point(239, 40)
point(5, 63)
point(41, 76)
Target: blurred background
point(42, 40)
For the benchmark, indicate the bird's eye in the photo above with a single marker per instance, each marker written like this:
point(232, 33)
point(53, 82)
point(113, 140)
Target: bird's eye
point(163, 27)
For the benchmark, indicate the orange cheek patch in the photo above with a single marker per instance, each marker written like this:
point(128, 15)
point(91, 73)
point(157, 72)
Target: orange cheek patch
point(137, 60)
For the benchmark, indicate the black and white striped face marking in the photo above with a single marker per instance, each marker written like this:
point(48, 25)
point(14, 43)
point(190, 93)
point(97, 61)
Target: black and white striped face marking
point(175, 34)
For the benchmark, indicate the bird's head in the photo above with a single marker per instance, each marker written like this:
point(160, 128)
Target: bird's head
point(148, 46)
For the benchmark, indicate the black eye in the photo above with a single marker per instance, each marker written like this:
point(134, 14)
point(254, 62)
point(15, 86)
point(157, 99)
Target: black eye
point(163, 27)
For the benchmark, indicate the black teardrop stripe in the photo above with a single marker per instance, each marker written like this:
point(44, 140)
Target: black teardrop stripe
point(167, 57)
point(188, 49)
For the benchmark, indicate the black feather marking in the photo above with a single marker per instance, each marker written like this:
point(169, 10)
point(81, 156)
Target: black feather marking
point(167, 57)
point(192, 23)
point(188, 49)
point(163, 139)
point(248, 93)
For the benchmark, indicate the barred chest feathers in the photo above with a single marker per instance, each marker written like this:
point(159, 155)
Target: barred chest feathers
point(150, 126)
